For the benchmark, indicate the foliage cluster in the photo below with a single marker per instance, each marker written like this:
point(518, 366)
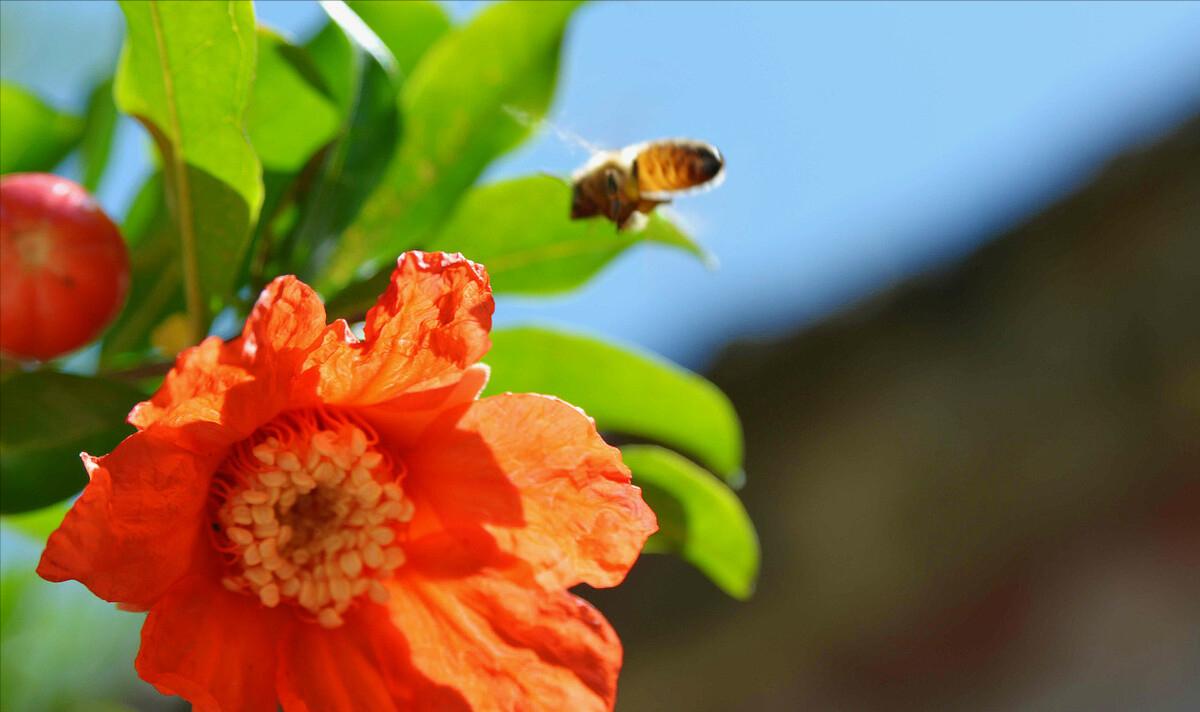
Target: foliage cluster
point(326, 159)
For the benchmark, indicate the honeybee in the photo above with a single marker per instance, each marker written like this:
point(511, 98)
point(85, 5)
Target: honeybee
point(626, 185)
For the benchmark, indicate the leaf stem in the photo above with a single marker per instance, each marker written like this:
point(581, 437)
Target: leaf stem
point(137, 373)
point(196, 308)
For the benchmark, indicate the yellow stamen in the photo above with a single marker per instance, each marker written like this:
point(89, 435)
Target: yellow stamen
point(310, 516)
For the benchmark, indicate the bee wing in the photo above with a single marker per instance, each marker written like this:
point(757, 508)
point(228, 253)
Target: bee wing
point(599, 158)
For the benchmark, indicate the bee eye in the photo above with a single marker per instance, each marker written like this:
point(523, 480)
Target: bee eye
point(610, 182)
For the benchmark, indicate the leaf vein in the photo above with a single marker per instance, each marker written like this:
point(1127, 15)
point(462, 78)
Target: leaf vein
point(183, 203)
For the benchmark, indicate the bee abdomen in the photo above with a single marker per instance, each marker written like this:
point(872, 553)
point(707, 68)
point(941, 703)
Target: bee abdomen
point(673, 165)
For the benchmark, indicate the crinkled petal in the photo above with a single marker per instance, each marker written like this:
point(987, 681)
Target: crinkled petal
point(214, 648)
point(362, 665)
point(287, 322)
point(196, 395)
point(533, 472)
point(430, 325)
point(133, 532)
point(506, 644)
point(233, 388)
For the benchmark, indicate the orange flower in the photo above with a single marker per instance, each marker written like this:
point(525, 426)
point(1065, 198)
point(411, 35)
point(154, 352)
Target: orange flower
point(337, 524)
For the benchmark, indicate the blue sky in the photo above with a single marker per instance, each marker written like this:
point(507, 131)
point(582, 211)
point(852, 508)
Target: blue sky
point(864, 141)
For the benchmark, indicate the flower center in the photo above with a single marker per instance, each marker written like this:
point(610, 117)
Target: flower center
point(308, 511)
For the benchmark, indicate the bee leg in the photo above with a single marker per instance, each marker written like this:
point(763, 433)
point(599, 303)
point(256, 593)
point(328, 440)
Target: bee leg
point(636, 222)
point(647, 206)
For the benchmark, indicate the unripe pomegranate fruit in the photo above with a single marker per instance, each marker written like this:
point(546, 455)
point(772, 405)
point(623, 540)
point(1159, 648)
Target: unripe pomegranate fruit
point(64, 268)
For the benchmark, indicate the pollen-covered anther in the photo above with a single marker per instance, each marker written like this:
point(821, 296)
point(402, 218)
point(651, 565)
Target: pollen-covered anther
point(308, 515)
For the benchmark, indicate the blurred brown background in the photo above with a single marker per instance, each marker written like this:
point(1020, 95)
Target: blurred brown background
point(980, 490)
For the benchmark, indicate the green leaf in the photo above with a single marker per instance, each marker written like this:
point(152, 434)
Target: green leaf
point(289, 117)
point(699, 518)
point(455, 107)
point(408, 29)
point(186, 73)
point(100, 123)
point(34, 137)
point(46, 420)
point(37, 524)
point(531, 244)
point(292, 116)
point(625, 391)
point(360, 156)
point(147, 213)
point(50, 635)
point(156, 278)
point(335, 60)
